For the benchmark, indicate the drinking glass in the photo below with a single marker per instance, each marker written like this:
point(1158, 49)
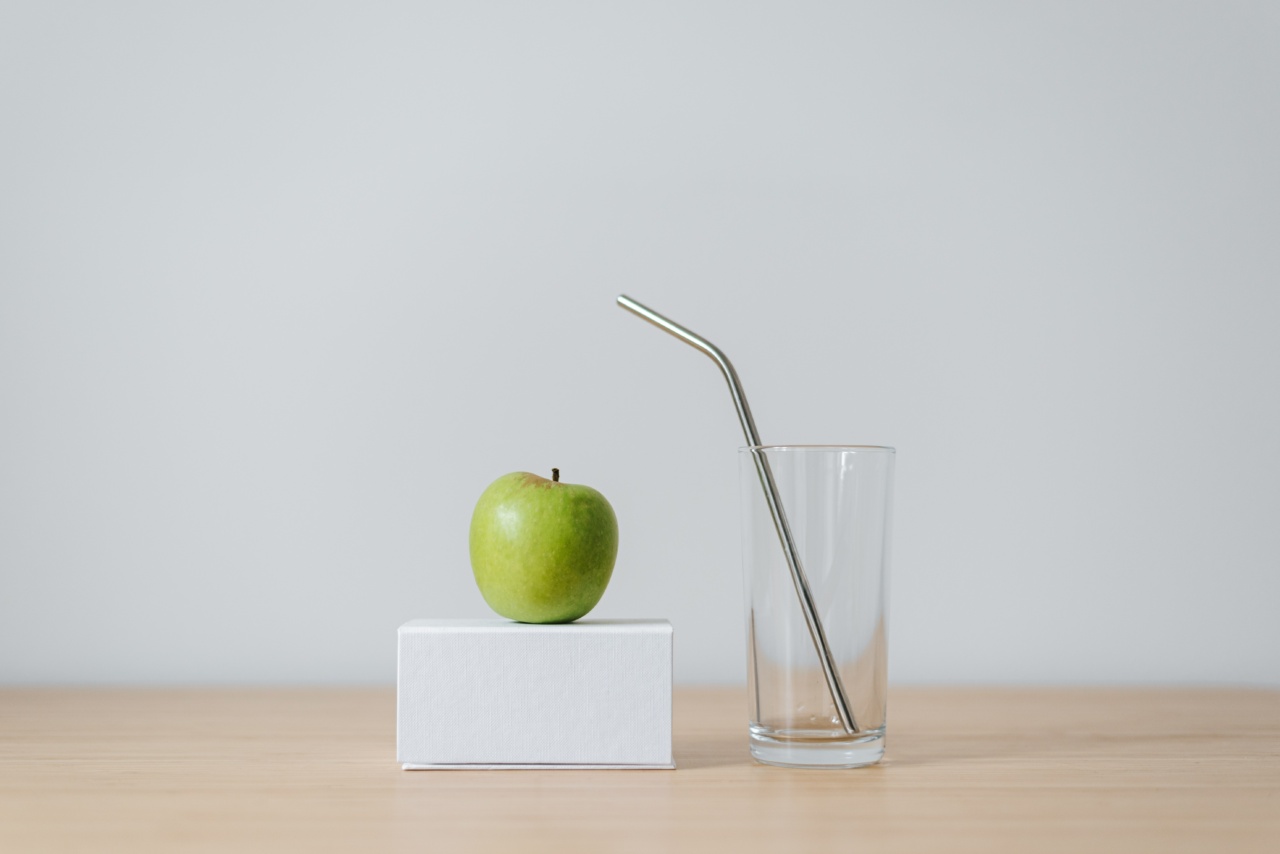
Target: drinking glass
point(837, 501)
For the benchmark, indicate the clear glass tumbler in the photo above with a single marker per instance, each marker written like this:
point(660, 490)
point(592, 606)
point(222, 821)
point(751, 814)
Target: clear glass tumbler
point(837, 500)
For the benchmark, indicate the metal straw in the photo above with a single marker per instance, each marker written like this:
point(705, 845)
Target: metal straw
point(798, 577)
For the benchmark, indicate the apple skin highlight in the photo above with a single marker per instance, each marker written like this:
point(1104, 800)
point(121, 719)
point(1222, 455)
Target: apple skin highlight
point(542, 551)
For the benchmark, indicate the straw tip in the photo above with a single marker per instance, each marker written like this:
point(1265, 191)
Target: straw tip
point(631, 305)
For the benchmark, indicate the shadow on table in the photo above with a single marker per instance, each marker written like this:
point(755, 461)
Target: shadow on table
point(915, 750)
point(716, 751)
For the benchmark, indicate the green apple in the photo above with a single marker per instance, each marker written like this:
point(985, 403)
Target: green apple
point(542, 551)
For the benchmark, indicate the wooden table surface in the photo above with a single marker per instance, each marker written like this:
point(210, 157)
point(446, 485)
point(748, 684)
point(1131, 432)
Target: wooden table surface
point(987, 770)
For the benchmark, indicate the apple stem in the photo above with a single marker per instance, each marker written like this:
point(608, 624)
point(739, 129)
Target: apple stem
point(555, 475)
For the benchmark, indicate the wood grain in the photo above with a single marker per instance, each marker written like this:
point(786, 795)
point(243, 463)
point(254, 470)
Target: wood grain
point(1027, 770)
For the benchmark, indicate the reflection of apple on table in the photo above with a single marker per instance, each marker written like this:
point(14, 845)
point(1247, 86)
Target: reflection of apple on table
point(542, 551)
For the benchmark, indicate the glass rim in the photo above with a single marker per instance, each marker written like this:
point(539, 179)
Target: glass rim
point(887, 448)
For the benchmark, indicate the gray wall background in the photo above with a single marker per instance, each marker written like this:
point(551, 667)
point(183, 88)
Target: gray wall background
point(283, 286)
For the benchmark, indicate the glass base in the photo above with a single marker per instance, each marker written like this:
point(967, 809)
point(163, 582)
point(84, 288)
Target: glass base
point(797, 749)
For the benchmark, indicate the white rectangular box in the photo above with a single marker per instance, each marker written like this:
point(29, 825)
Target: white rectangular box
point(492, 693)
